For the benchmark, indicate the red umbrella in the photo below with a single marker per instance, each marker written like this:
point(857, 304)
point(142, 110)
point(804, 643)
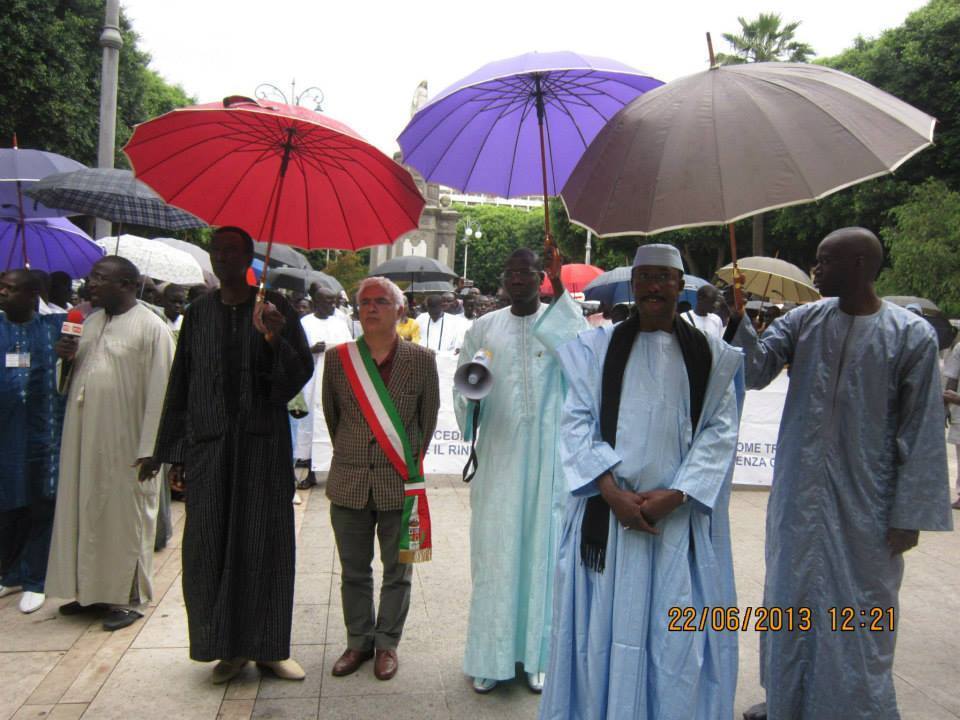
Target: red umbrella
point(281, 172)
point(575, 277)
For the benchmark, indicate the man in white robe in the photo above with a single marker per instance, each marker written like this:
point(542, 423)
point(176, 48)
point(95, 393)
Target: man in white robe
point(648, 441)
point(105, 520)
point(440, 331)
point(861, 469)
point(518, 494)
point(324, 330)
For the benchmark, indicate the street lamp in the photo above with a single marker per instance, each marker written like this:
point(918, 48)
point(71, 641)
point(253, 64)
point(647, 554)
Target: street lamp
point(267, 91)
point(470, 232)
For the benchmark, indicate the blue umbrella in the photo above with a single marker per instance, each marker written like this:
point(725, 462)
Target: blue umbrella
point(19, 170)
point(518, 126)
point(614, 287)
point(51, 244)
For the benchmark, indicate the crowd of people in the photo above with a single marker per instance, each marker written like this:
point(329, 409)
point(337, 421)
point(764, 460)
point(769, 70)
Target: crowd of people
point(601, 557)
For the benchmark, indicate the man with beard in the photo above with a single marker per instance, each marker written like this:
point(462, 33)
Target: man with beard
point(647, 444)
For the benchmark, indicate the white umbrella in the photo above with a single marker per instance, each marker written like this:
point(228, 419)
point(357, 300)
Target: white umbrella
point(772, 279)
point(154, 259)
point(199, 254)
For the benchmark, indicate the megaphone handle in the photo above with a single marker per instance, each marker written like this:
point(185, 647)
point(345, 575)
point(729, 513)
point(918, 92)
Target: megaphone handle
point(470, 469)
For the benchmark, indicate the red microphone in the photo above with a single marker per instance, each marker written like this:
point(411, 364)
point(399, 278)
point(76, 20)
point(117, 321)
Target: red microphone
point(72, 327)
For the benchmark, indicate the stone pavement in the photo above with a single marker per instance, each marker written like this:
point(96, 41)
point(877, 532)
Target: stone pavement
point(58, 667)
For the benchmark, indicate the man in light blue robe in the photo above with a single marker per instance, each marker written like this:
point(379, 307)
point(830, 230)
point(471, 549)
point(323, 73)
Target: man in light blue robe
point(861, 469)
point(517, 496)
point(665, 539)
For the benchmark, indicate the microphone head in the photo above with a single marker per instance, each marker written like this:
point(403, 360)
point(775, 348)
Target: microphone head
point(73, 324)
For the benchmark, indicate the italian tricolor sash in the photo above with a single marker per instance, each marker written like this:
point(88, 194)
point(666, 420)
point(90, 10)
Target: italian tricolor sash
point(381, 414)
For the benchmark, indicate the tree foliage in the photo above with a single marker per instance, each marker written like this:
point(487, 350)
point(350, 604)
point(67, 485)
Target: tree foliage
point(765, 39)
point(51, 65)
point(923, 244)
point(349, 268)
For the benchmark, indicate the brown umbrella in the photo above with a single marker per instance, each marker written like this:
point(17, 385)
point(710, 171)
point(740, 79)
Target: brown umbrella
point(772, 279)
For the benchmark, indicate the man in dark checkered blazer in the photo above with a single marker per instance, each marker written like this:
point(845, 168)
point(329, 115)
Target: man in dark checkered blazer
point(366, 493)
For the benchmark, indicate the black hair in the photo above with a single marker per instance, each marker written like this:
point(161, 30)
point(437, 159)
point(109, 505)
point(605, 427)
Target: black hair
point(127, 270)
point(526, 254)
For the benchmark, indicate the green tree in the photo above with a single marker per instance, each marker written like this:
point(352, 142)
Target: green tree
point(765, 39)
point(923, 245)
point(918, 62)
point(349, 268)
point(51, 63)
point(505, 229)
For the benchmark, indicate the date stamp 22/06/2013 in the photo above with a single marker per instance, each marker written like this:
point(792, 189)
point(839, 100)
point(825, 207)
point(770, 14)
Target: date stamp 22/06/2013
point(780, 619)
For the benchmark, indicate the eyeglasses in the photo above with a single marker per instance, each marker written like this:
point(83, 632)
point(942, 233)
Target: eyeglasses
point(663, 276)
point(518, 274)
point(378, 301)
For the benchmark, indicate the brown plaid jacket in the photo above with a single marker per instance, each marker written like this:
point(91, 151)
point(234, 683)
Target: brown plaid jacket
point(359, 464)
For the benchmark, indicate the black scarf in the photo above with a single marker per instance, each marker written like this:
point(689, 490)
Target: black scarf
point(697, 359)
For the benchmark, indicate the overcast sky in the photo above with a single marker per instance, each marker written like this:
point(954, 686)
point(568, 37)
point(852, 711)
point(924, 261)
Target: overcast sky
point(368, 57)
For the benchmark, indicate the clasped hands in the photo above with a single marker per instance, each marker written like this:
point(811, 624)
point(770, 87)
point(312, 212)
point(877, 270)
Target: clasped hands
point(639, 510)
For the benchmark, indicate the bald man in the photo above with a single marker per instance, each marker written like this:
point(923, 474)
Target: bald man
point(861, 469)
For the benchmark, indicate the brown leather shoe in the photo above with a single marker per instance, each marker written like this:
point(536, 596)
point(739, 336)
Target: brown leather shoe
point(350, 661)
point(386, 664)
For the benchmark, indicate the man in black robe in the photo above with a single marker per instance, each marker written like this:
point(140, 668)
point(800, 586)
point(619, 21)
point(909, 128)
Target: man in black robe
point(238, 364)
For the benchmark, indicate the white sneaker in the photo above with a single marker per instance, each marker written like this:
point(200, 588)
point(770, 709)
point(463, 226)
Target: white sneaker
point(296, 499)
point(4, 590)
point(31, 602)
point(535, 681)
point(483, 685)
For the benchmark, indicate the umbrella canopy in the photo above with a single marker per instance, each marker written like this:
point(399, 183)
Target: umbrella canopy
point(198, 254)
point(111, 194)
point(51, 244)
point(21, 169)
point(282, 256)
point(482, 134)
point(300, 280)
point(413, 268)
point(281, 172)
point(772, 279)
point(575, 277)
point(614, 287)
point(430, 287)
point(930, 312)
point(737, 140)
point(155, 259)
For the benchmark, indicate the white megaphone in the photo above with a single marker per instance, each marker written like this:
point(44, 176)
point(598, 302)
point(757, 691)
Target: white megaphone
point(474, 380)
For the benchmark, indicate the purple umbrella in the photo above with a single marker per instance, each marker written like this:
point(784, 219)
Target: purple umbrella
point(50, 243)
point(486, 132)
point(19, 169)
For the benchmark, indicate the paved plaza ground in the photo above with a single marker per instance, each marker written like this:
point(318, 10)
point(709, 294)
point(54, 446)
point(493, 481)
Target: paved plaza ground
point(59, 667)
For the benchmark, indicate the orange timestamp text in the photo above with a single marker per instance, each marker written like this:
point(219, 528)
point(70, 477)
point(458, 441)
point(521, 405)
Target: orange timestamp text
point(778, 619)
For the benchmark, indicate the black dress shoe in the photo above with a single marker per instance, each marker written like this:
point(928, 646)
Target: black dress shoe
point(756, 712)
point(120, 618)
point(75, 608)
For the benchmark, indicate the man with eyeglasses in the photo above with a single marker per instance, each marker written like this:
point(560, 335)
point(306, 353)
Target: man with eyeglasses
point(381, 397)
point(647, 445)
point(517, 495)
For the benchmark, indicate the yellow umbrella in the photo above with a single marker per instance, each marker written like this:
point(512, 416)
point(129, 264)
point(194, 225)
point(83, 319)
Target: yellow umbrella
point(772, 279)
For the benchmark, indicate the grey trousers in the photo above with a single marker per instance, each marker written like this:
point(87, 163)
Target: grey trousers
point(354, 531)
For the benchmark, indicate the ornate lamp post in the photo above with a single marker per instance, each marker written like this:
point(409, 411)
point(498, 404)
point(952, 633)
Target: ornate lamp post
point(269, 91)
point(470, 232)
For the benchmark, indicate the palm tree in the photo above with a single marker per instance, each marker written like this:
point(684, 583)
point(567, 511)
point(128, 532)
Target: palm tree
point(764, 40)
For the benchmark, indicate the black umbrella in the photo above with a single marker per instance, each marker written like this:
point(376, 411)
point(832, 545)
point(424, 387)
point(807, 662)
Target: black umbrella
point(413, 268)
point(111, 194)
point(300, 280)
point(281, 256)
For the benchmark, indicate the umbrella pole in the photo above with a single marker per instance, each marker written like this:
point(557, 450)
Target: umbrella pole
point(541, 112)
point(737, 280)
point(287, 149)
point(21, 225)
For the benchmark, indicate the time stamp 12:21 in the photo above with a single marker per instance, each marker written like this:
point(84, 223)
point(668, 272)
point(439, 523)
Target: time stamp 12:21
point(777, 619)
